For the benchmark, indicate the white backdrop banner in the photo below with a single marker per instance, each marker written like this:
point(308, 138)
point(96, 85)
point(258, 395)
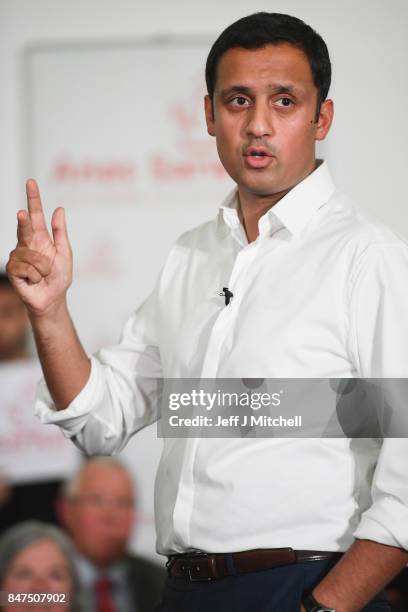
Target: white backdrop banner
point(116, 134)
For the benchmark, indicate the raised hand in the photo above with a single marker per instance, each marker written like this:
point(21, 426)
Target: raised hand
point(40, 267)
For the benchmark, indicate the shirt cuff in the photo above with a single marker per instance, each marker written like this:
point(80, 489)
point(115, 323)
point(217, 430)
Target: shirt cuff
point(73, 418)
point(385, 522)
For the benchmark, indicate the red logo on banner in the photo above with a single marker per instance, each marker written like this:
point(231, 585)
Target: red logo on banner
point(93, 171)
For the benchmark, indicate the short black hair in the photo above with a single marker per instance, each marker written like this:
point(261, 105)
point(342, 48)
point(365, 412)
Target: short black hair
point(260, 29)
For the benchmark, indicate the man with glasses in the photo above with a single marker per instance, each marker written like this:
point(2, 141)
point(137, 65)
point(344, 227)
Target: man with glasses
point(97, 508)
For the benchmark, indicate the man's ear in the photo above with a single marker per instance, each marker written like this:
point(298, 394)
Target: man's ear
point(324, 120)
point(209, 115)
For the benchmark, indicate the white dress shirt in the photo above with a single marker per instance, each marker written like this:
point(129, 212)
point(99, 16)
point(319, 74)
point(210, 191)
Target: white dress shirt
point(321, 292)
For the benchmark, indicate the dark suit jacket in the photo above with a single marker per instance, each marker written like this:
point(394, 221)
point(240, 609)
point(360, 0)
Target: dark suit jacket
point(143, 580)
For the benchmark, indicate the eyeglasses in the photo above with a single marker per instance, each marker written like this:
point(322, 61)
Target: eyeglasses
point(101, 502)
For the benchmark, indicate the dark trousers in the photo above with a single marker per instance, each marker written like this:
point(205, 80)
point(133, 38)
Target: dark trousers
point(277, 590)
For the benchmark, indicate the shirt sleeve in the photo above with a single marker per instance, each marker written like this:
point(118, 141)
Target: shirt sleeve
point(378, 312)
point(379, 344)
point(386, 520)
point(121, 394)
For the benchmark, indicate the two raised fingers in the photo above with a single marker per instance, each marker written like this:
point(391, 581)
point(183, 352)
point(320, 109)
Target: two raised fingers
point(29, 264)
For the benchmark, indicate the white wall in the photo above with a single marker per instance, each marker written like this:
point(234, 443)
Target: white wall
point(366, 148)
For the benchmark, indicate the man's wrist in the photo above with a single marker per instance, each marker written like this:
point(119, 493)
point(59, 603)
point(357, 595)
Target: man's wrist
point(53, 315)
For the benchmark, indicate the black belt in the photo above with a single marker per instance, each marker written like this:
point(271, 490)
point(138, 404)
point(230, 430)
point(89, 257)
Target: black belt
point(210, 566)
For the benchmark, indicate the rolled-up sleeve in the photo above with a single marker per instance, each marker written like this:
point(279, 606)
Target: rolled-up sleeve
point(121, 394)
point(386, 520)
point(379, 345)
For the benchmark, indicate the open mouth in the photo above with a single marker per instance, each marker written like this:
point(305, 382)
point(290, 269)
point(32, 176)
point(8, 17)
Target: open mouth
point(257, 152)
point(257, 157)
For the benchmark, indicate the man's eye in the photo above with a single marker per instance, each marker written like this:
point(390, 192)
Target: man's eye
point(285, 102)
point(239, 101)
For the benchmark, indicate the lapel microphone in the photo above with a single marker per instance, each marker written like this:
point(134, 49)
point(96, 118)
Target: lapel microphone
point(227, 294)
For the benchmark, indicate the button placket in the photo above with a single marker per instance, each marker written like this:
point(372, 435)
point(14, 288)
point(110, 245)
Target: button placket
point(227, 316)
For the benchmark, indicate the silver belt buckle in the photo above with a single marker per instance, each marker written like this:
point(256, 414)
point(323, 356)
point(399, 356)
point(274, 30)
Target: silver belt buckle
point(199, 578)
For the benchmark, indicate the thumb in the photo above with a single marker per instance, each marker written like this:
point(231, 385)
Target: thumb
point(59, 231)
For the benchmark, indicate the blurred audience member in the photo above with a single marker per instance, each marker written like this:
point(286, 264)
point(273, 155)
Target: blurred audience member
point(98, 510)
point(5, 490)
point(34, 460)
point(37, 558)
point(13, 323)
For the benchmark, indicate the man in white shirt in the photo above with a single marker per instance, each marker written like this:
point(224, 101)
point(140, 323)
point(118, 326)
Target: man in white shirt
point(315, 291)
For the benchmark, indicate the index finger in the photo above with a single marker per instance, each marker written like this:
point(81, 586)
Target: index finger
point(35, 209)
point(24, 229)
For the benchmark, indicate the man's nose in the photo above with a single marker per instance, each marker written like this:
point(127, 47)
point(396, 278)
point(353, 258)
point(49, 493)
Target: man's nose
point(39, 583)
point(259, 121)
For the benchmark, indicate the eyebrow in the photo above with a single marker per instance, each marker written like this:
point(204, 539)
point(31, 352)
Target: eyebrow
point(276, 88)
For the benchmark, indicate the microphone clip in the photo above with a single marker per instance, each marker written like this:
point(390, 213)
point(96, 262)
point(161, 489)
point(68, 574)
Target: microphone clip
point(227, 294)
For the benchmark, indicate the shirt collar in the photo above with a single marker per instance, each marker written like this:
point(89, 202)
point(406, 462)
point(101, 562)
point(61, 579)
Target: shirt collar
point(89, 573)
point(294, 210)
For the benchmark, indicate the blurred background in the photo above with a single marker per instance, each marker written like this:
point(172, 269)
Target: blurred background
point(102, 102)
